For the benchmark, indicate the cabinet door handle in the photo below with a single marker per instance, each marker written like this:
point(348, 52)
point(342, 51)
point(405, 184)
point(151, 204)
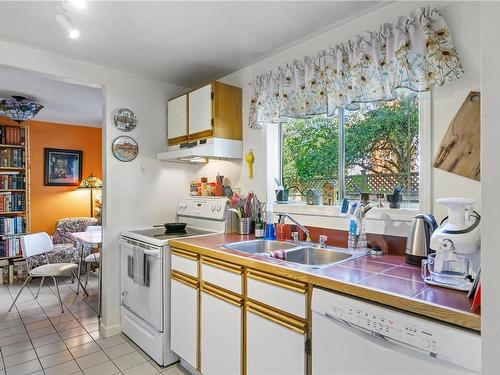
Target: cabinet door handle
point(275, 317)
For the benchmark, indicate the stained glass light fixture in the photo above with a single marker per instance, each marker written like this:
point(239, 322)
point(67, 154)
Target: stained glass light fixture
point(91, 182)
point(19, 108)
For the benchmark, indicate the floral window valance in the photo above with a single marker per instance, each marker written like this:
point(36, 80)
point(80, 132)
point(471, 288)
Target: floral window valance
point(416, 52)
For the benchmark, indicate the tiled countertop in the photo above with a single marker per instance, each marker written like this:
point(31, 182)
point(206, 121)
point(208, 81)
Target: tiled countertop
point(384, 279)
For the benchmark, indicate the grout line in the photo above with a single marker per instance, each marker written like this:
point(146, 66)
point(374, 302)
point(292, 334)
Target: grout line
point(45, 310)
point(26, 328)
point(57, 332)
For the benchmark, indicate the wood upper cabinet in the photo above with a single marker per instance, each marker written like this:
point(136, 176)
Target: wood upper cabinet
point(177, 119)
point(200, 112)
point(213, 110)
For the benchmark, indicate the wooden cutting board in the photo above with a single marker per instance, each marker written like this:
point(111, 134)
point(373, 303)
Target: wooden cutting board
point(459, 152)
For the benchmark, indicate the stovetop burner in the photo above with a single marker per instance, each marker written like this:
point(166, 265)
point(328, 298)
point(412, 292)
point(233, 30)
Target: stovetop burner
point(172, 232)
point(161, 234)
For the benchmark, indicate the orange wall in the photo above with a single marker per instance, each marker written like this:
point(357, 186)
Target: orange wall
point(50, 203)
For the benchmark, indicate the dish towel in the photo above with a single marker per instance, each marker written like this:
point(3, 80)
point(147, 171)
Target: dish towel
point(138, 265)
point(278, 254)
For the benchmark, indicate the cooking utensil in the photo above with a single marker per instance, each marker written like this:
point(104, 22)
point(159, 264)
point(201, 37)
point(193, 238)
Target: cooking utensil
point(235, 201)
point(247, 210)
point(173, 227)
point(228, 192)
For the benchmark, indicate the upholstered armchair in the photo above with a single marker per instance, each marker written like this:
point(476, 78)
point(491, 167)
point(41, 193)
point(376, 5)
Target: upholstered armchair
point(65, 250)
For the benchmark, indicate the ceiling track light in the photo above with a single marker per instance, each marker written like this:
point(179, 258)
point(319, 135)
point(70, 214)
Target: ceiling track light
point(65, 22)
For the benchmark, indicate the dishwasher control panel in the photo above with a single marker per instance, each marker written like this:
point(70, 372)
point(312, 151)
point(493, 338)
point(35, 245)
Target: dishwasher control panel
point(440, 340)
point(386, 324)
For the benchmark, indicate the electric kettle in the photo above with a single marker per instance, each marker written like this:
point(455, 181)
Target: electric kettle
point(419, 238)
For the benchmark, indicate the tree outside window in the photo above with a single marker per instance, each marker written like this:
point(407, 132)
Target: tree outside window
point(381, 150)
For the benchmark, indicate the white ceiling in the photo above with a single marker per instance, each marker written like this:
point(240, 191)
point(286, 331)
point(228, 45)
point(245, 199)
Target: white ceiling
point(63, 102)
point(187, 43)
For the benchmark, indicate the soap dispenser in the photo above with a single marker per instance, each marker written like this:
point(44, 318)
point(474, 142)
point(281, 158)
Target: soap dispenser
point(270, 234)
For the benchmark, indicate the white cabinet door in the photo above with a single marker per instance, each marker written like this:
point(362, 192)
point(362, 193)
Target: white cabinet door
point(177, 117)
point(273, 348)
point(220, 336)
point(200, 110)
point(183, 321)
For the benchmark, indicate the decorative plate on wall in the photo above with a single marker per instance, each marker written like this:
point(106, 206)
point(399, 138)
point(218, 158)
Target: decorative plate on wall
point(125, 120)
point(125, 148)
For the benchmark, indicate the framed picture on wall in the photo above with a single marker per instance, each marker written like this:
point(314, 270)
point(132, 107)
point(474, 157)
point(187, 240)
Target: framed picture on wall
point(62, 167)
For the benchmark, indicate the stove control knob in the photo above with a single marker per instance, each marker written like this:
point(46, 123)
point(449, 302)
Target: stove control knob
point(219, 208)
point(213, 208)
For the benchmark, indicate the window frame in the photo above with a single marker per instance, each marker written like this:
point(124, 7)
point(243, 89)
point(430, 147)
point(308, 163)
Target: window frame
point(425, 157)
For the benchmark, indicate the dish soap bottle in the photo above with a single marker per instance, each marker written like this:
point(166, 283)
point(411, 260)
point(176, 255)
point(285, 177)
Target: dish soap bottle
point(259, 226)
point(352, 240)
point(269, 234)
point(280, 229)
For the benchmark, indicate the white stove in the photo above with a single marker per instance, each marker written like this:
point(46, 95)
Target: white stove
point(145, 305)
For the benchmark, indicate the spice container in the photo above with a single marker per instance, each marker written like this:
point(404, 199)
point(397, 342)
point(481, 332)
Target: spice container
point(219, 185)
point(193, 189)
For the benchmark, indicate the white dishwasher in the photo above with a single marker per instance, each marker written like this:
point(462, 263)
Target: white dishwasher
point(351, 336)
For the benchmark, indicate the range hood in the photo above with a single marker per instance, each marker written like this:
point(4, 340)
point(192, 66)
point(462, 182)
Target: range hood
point(203, 150)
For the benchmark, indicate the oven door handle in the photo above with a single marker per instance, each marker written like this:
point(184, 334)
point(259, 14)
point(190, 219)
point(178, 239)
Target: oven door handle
point(153, 253)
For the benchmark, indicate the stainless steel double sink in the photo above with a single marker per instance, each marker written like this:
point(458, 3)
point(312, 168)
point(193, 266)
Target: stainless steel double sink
point(307, 254)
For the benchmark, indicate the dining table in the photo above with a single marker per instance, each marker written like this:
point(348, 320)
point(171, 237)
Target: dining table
point(86, 241)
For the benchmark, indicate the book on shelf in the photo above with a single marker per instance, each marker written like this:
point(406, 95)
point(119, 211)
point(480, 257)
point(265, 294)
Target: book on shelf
point(12, 225)
point(12, 202)
point(10, 247)
point(12, 180)
point(13, 272)
point(12, 135)
point(12, 158)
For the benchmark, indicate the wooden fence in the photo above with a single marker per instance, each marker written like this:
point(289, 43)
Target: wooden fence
point(373, 183)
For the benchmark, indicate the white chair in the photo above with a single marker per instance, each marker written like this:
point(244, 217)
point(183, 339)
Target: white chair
point(41, 244)
point(92, 257)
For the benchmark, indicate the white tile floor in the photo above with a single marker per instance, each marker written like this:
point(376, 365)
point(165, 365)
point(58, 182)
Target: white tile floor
point(35, 338)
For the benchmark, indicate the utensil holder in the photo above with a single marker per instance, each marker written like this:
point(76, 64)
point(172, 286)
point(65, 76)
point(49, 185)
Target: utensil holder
point(232, 221)
point(245, 225)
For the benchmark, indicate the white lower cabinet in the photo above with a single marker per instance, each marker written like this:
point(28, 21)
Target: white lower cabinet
point(265, 335)
point(221, 340)
point(273, 348)
point(183, 320)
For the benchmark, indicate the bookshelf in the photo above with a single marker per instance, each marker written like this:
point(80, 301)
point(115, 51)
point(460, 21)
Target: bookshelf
point(14, 192)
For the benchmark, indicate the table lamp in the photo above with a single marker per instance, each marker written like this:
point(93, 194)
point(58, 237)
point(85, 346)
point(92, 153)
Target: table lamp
point(91, 182)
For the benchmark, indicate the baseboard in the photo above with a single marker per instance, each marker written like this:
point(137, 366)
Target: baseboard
point(189, 368)
point(108, 331)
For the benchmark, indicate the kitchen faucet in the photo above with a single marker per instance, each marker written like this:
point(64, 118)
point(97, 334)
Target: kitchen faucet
point(281, 218)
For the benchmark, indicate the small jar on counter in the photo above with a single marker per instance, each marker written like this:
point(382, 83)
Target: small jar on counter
point(204, 184)
point(193, 189)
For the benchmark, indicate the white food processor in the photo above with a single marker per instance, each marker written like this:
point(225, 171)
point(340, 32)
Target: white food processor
point(457, 243)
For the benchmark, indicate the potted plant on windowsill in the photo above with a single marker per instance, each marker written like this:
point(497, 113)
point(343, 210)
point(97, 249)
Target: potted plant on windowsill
point(281, 191)
point(395, 198)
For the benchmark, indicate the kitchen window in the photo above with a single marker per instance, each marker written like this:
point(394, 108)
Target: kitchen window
point(371, 149)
